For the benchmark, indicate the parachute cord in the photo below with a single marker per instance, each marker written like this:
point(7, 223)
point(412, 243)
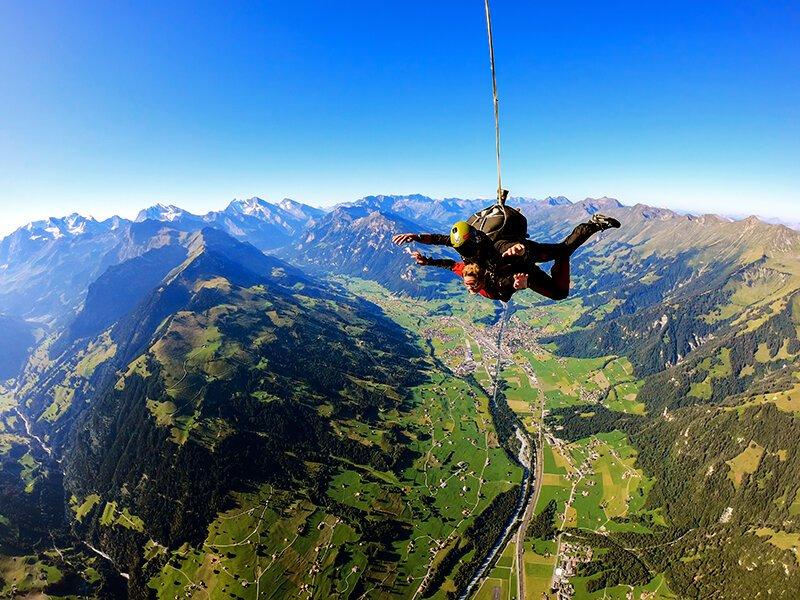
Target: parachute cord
point(503, 321)
point(501, 200)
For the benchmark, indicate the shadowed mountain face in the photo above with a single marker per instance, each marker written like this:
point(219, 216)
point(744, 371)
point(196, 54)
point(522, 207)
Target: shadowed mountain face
point(17, 339)
point(181, 367)
point(116, 291)
point(231, 363)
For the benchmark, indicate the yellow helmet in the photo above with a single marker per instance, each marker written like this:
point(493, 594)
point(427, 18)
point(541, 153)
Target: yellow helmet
point(460, 233)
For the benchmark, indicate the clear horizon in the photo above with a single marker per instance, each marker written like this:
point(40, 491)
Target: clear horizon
point(131, 215)
point(109, 109)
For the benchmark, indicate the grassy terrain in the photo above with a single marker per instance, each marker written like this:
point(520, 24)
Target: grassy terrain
point(656, 589)
point(84, 508)
point(23, 574)
point(598, 472)
point(26, 577)
point(782, 539)
point(96, 354)
point(786, 400)
point(539, 564)
point(501, 583)
point(745, 463)
point(287, 545)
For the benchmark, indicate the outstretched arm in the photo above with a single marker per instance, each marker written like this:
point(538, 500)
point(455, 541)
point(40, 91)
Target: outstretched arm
point(433, 239)
point(442, 263)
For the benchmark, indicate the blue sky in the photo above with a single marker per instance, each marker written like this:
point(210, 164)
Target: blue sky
point(109, 107)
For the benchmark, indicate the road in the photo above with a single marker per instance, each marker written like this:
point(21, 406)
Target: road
point(538, 470)
point(493, 349)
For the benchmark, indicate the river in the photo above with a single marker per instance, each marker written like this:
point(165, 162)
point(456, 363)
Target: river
point(528, 480)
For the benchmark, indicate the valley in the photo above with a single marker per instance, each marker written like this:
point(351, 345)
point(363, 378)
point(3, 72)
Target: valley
point(233, 427)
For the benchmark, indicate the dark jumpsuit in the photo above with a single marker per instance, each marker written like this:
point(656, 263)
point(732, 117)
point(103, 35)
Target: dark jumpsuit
point(499, 280)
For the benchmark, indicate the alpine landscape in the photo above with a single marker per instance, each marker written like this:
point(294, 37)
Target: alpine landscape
point(274, 401)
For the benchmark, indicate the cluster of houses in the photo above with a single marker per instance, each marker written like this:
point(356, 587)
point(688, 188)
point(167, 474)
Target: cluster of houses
point(570, 556)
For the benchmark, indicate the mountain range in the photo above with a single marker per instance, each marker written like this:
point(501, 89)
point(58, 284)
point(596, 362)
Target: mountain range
point(164, 377)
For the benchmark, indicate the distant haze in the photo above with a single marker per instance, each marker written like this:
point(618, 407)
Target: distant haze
point(141, 212)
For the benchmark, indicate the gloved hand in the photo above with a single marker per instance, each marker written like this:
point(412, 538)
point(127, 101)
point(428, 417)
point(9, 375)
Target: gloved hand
point(405, 238)
point(517, 249)
point(420, 258)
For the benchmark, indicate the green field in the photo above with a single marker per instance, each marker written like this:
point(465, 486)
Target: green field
point(656, 589)
point(290, 546)
point(600, 471)
point(501, 584)
point(745, 463)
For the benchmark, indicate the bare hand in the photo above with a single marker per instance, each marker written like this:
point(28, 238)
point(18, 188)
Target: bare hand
point(515, 250)
point(420, 258)
point(404, 238)
point(520, 281)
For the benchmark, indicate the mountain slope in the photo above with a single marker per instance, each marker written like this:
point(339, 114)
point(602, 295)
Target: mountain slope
point(707, 311)
point(356, 241)
point(75, 248)
point(17, 339)
point(45, 279)
point(218, 387)
point(264, 224)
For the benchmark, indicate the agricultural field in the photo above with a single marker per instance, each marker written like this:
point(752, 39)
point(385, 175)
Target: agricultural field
point(540, 560)
point(609, 486)
point(274, 545)
point(548, 318)
point(656, 589)
point(567, 381)
point(501, 583)
point(594, 482)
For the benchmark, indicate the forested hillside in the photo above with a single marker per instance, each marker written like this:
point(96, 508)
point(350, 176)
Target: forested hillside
point(181, 408)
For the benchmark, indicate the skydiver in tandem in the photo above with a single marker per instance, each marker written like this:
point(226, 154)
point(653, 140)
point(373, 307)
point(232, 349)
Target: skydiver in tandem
point(497, 268)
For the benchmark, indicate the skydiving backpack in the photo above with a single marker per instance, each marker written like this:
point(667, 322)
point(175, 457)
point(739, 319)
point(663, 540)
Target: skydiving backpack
point(500, 223)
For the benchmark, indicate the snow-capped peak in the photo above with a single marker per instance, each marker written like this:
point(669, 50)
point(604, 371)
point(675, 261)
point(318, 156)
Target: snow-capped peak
point(76, 224)
point(55, 228)
point(293, 208)
point(252, 207)
point(161, 212)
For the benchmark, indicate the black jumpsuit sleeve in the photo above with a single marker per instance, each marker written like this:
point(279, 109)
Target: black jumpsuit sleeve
point(442, 263)
point(505, 288)
point(435, 239)
point(502, 245)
